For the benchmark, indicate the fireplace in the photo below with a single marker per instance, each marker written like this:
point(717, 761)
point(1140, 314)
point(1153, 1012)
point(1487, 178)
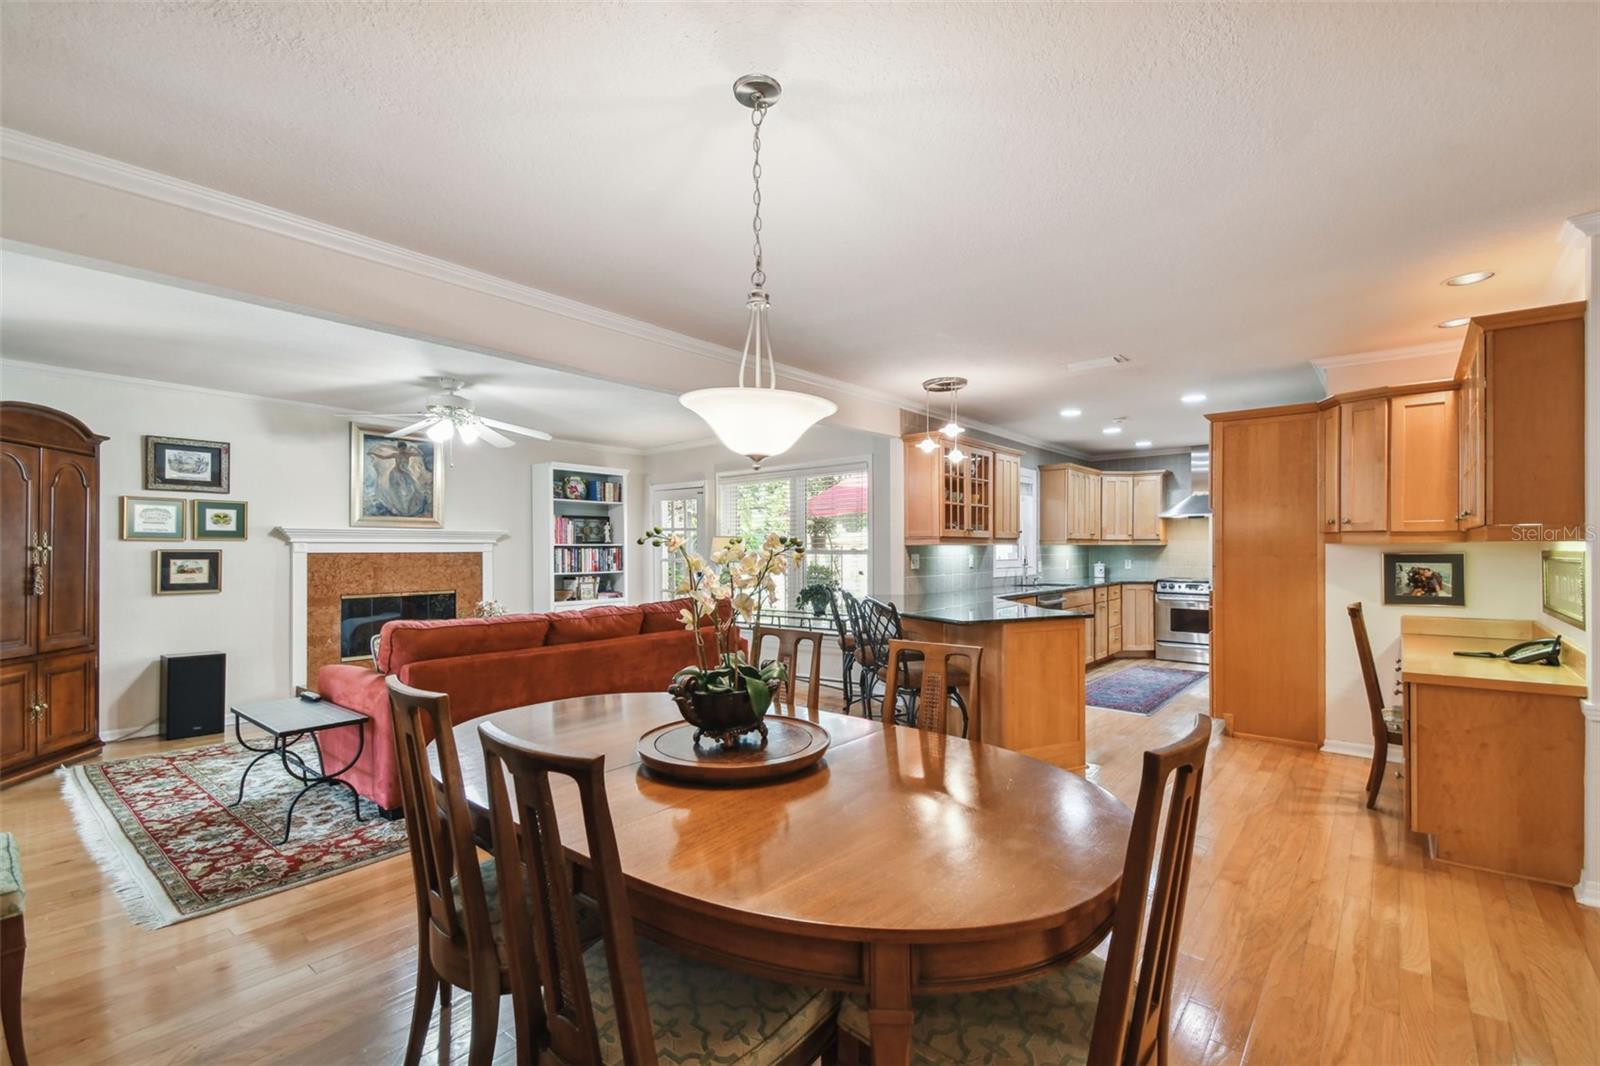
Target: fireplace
point(362, 617)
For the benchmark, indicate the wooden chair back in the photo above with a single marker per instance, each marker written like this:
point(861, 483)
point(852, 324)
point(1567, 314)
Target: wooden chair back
point(789, 641)
point(1369, 674)
point(933, 695)
point(1132, 1016)
point(538, 909)
point(439, 830)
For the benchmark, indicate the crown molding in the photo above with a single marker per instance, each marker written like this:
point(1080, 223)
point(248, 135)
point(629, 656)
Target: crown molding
point(25, 148)
point(1388, 355)
point(1581, 227)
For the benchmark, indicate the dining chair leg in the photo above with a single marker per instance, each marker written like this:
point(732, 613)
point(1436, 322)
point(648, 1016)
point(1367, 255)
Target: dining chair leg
point(1380, 760)
point(485, 1023)
point(422, 1007)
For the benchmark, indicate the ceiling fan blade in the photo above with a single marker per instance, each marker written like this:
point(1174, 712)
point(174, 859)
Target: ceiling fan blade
point(490, 436)
point(536, 434)
point(415, 427)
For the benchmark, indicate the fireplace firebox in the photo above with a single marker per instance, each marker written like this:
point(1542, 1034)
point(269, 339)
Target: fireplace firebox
point(362, 617)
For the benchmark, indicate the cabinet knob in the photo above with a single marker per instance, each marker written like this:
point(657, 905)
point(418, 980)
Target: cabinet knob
point(38, 709)
point(1347, 521)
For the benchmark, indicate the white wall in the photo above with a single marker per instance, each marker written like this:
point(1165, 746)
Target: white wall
point(1502, 582)
point(821, 444)
point(291, 464)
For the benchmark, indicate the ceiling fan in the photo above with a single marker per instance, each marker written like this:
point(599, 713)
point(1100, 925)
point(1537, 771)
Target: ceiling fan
point(451, 415)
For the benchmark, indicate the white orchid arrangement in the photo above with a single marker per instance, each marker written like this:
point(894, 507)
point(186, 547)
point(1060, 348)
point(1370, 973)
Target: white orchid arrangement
point(745, 578)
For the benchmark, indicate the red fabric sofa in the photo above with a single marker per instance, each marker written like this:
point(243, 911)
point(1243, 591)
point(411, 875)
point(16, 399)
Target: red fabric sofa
point(489, 664)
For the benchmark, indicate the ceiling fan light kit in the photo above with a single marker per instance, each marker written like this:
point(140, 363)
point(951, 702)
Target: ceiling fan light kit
point(759, 420)
point(452, 417)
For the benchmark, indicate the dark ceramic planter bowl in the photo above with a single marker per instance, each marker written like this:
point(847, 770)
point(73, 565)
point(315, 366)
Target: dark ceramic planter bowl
point(723, 716)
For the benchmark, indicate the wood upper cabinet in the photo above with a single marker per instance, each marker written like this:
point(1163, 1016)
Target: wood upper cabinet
point(1116, 507)
point(69, 488)
point(19, 498)
point(1138, 618)
point(1522, 436)
point(1423, 452)
point(1007, 495)
point(1328, 456)
point(1053, 504)
point(975, 499)
point(1083, 503)
point(1364, 465)
point(1148, 499)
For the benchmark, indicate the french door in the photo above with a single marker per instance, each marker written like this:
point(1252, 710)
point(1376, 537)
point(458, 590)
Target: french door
point(679, 509)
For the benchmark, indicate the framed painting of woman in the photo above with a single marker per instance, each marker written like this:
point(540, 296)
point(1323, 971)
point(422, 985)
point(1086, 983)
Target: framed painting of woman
point(394, 481)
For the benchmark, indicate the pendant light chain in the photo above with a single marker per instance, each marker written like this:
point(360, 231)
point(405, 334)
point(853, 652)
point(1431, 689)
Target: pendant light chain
point(758, 115)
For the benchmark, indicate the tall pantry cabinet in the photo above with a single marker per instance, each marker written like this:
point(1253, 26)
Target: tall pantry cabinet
point(49, 590)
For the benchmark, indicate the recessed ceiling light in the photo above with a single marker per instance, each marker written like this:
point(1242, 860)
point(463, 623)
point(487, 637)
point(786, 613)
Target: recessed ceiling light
point(1071, 412)
point(1470, 278)
point(1141, 444)
point(1111, 431)
point(1193, 397)
point(1454, 323)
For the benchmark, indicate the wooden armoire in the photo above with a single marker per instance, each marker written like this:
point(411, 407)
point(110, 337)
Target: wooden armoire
point(49, 590)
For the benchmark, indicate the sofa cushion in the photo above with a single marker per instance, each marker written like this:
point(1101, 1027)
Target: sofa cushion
point(661, 616)
point(596, 623)
point(403, 643)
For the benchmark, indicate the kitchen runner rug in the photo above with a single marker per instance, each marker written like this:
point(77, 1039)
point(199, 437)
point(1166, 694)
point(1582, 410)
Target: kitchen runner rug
point(1140, 689)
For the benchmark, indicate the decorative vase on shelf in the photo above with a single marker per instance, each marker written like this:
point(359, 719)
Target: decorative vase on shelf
point(722, 695)
point(573, 488)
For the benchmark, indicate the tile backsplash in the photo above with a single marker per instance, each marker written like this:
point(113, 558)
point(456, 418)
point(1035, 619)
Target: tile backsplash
point(953, 567)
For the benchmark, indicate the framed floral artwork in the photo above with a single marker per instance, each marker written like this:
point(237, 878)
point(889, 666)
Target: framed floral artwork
point(221, 520)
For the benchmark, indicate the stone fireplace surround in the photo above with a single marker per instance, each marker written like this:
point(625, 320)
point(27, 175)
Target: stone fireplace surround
point(361, 560)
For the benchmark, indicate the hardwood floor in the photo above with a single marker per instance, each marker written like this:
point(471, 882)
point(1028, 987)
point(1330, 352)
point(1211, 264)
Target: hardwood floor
point(1316, 931)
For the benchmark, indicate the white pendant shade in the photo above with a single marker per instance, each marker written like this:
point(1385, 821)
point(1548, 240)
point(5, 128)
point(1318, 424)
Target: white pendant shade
point(758, 422)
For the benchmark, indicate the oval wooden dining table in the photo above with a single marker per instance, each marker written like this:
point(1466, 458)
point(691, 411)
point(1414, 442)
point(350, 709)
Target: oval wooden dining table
point(905, 863)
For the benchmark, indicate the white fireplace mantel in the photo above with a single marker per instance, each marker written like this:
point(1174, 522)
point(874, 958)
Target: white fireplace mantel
point(356, 540)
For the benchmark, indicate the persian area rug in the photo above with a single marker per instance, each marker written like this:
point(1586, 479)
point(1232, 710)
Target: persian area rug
point(161, 829)
point(1140, 689)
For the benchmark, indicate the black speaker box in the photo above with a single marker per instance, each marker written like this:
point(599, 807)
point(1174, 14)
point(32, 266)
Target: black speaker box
point(193, 695)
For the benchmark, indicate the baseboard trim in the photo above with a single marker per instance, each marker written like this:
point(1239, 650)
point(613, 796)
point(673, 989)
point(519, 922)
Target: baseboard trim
point(1359, 750)
point(1587, 893)
point(149, 729)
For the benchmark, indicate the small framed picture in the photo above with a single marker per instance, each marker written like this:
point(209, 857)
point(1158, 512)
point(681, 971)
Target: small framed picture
point(177, 464)
point(180, 571)
point(1424, 580)
point(221, 520)
point(151, 518)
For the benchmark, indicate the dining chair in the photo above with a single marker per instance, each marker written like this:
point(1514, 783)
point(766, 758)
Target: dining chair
point(458, 911)
point(789, 641)
point(625, 999)
point(1388, 723)
point(1111, 1013)
point(932, 673)
point(844, 625)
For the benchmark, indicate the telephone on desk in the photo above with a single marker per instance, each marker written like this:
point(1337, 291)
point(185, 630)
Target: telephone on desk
point(1545, 651)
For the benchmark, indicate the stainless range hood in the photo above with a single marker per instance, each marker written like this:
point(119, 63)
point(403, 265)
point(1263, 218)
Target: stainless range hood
point(1198, 503)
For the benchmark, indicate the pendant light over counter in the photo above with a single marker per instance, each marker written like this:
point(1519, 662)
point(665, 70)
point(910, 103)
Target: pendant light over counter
point(763, 420)
point(952, 429)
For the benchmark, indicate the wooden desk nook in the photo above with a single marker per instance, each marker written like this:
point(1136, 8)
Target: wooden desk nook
point(1493, 750)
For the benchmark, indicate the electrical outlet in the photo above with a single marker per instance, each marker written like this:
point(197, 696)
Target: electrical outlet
point(972, 559)
point(916, 560)
point(1127, 564)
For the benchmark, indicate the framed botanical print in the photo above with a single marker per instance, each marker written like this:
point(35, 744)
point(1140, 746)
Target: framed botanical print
point(221, 520)
point(153, 518)
point(177, 464)
point(394, 481)
point(181, 571)
point(1425, 580)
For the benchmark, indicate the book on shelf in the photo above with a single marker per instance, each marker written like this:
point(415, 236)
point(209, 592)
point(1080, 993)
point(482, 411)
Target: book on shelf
point(581, 530)
point(587, 560)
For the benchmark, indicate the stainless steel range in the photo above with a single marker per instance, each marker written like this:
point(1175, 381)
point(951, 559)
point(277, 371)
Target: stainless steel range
point(1183, 619)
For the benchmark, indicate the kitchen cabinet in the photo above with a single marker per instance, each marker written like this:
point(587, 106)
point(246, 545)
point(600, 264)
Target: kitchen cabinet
point(49, 589)
point(1083, 503)
point(1364, 465)
point(1053, 504)
point(1148, 501)
point(1328, 457)
point(1113, 621)
point(1423, 451)
point(1520, 438)
point(1007, 495)
point(1102, 625)
point(976, 499)
point(1139, 618)
point(1116, 507)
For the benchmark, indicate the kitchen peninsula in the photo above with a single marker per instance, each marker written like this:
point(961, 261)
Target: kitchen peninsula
point(1031, 687)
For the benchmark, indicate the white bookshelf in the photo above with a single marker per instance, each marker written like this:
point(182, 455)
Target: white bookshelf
point(577, 549)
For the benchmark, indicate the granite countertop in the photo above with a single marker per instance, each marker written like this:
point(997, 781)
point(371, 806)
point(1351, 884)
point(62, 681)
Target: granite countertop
point(973, 606)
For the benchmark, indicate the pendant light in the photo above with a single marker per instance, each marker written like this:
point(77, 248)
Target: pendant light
point(927, 445)
point(952, 428)
point(764, 420)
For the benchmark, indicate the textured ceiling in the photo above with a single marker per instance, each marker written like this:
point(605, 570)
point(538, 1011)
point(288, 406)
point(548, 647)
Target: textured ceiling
point(67, 315)
point(1219, 192)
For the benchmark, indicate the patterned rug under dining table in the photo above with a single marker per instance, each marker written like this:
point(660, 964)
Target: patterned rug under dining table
point(790, 879)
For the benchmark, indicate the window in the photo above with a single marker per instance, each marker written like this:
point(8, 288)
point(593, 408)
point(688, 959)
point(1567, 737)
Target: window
point(676, 509)
point(1014, 557)
point(826, 507)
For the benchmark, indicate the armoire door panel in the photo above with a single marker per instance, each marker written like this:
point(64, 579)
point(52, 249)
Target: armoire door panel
point(19, 501)
point(67, 689)
point(67, 516)
point(17, 733)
